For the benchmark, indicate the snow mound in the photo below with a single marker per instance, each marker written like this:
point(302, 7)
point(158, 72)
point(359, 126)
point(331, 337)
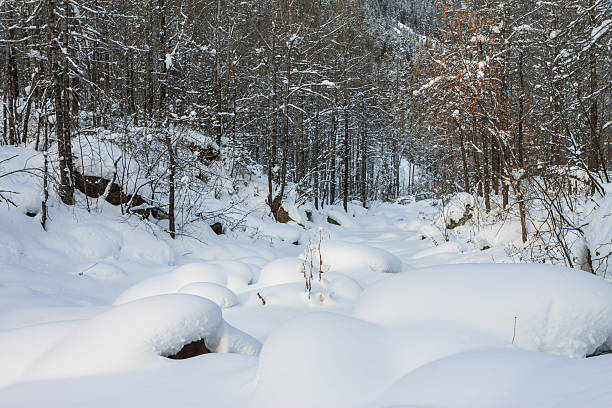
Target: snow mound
point(137, 335)
point(221, 295)
point(558, 310)
point(463, 376)
point(339, 256)
point(239, 274)
point(172, 282)
point(282, 270)
point(323, 360)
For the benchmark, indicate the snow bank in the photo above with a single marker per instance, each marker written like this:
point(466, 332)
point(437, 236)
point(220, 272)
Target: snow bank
point(137, 334)
point(323, 360)
point(172, 282)
point(340, 256)
point(221, 295)
point(559, 310)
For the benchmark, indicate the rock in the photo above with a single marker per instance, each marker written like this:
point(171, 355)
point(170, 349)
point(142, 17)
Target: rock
point(195, 348)
point(217, 227)
point(95, 187)
point(205, 154)
point(159, 214)
point(332, 221)
point(282, 216)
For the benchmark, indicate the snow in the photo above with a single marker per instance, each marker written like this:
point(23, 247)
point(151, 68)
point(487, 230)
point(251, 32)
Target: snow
point(173, 281)
point(559, 311)
point(219, 294)
point(471, 379)
point(404, 313)
point(341, 256)
point(283, 270)
point(323, 360)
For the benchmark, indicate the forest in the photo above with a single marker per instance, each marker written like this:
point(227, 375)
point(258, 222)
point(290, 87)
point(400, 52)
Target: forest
point(492, 98)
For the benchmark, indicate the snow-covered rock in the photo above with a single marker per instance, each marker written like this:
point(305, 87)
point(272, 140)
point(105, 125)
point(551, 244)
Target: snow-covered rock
point(457, 211)
point(137, 335)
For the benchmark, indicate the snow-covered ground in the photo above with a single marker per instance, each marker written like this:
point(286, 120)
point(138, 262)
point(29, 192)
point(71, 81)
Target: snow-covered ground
point(395, 316)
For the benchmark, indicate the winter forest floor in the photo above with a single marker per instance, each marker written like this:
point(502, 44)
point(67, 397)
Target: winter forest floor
point(398, 317)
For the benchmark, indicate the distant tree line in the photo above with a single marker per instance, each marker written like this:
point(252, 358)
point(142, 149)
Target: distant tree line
point(343, 99)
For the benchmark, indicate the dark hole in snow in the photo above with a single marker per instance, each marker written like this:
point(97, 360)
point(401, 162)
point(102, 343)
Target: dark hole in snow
point(484, 248)
point(195, 348)
point(217, 227)
point(296, 243)
point(31, 214)
point(332, 221)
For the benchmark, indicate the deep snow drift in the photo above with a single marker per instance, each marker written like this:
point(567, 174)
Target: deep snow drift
point(369, 313)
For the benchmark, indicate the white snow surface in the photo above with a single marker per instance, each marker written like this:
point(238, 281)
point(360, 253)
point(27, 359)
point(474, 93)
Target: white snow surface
point(400, 315)
point(339, 256)
point(219, 294)
point(558, 310)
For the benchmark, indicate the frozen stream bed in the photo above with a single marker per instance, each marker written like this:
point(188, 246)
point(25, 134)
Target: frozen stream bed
point(90, 311)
